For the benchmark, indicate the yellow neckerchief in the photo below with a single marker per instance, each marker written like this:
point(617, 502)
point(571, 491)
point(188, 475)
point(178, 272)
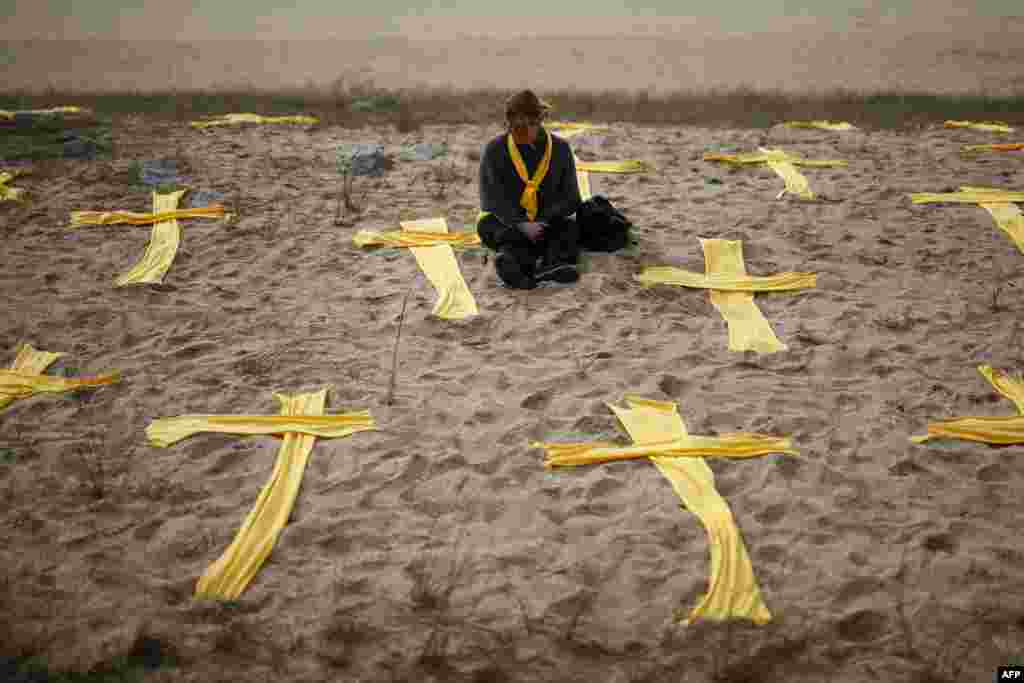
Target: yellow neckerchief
point(529, 199)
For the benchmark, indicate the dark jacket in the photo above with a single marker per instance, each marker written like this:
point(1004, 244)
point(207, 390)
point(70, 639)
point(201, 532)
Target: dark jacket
point(501, 187)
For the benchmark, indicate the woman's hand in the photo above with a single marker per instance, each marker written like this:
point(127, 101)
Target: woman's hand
point(534, 230)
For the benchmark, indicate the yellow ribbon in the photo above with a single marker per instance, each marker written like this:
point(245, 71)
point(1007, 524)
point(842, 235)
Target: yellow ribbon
point(414, 238)
point(659, 433)
point(134, 218)
point(25, 377)
point(995, 430)
point(990, 126)
point(995, 147)
point(5, 114)
point(823, 125)
point(529, 199)
point(12, 194)
point(232, 119)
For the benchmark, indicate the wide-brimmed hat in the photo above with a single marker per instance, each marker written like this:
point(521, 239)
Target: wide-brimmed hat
point(525, 103)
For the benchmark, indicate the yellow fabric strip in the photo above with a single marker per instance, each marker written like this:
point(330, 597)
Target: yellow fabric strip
point(796, 183)
point(170, 430)
point(824, 125)
point(29, 361)
point(765, 155)
point(10, 194)
point(732, 589)
point(133, 218)
point(583, 181)
point(454, 300)
point(22, 385)
point(748, 328)
point(234, 119)
point(25, 378)
point(781, 282)
point(529, 198)
point(735, 445)
point(1009, 386)
point(996, 430)
point(1009, 219)
point(627, 166)
point(996, 147)
point(5, 114)
point(567, 129)
point(415, 238)
point(991, 126)
point(229, 576)
point(968, 196)
point(162, 247)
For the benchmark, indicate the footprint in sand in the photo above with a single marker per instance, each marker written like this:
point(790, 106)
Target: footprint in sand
point(940, 543)
point(863, 626)
point(995, 473)
point(861, 587)
point(538, 400)
point(771, 514)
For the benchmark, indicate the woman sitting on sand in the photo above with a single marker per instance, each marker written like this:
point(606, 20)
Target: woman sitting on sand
point(528, 193)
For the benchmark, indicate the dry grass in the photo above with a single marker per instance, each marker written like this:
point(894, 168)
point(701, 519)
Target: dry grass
point(363, 104)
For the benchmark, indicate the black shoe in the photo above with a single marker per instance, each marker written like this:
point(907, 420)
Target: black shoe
point(510, 272)
point(557, 272)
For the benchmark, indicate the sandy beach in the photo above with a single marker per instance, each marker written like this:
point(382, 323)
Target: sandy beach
point(438, 547)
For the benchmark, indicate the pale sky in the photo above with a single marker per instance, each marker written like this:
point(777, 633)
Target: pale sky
point(266, 19)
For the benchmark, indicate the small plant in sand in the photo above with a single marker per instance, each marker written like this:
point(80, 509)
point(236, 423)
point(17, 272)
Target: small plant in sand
point(440, 178)
point(1002, 282)
point(345, 162)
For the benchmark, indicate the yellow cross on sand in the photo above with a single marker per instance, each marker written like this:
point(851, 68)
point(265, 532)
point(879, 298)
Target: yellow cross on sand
point(999, 203)
point(659, 433)
point(994, 147)
point(995, 430)
point(990, 126)
point(25, 377)
point(569, 129)
point(823, 125)
point(731, 292)
point(11, 194)
point(431, 244)
point(235, 119)
point(782, 163)
point(5, 114)
point(300, 423)
point(164, 239)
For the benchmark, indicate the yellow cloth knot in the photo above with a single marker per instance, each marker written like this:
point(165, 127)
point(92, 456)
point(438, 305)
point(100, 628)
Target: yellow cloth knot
point(529, 198)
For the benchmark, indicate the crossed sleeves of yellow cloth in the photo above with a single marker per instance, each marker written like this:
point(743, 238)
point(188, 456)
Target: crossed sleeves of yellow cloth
point(25, 377)
point(659, 433)
point(7, 193)
point(1000, 204)
point(415, 238)
point(823, 125)
point(235, 119)
point(732, 292)
point(300, 423)
point(994, 430)
point(989, 126)
point(133, 218)
point(783, 163)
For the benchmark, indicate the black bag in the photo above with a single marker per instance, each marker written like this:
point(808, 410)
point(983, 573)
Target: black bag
point(602, 226)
